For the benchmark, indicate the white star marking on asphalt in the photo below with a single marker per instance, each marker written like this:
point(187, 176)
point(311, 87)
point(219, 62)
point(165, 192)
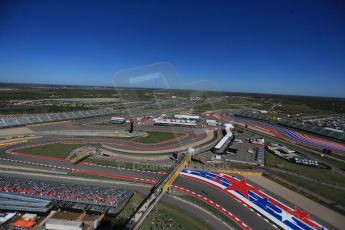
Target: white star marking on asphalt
point(287, 216)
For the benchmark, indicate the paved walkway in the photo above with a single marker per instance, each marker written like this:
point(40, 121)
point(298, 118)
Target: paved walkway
point(15, 131)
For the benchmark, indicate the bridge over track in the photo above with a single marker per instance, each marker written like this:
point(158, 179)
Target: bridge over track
point(157, 192)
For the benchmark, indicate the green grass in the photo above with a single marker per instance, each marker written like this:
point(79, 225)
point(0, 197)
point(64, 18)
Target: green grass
point(214, 106)
point(128, 165)
point(328, 192)
point(135, 200)
point(167, 217)
point(323, 175)
point(211, 209)
point(52, 150)
point(157, 137)
point(163, 214)
point(300, 108)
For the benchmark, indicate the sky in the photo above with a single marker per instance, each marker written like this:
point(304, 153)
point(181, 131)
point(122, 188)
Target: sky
point(283, 47)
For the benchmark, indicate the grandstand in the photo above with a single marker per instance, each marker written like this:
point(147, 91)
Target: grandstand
point(316, 130)
point(224, 143)
point(255, 116)
point(14, 121)
point(297, 125)
point(21, 194)
point(9, 201)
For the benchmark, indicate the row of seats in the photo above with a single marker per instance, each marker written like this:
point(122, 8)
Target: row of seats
point(13, 121)
point(312, 129)
point(62, 194)
point(297, 125)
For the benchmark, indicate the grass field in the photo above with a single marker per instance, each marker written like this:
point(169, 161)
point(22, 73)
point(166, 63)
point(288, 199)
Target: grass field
point(157, 137)
point(331, 193)
point(303, 109)
point(162, 216)
point(52, 150)
point(135, 200)
point(167, 217)
point(323, 175)
point(213, 106)
point(211, 209)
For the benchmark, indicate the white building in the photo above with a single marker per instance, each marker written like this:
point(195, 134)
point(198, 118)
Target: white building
point(29, 216)
point(56, 224)
point(263, 111)
point(174, 122)
point(211, 122)
point(187, 117)
point(224, 143)
point(5, 217)
point(117, 120)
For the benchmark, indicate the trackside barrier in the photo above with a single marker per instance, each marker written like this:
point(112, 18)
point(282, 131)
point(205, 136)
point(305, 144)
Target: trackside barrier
point(16, 137)
point(12, 143)
point(47, 123)
point(240, 172)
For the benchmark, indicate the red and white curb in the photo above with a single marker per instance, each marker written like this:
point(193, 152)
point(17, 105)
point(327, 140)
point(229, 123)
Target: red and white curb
point(238, 200)
point(215, 205)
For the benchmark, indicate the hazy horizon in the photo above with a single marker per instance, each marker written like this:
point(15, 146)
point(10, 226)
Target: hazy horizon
point(270, 47)
point(186, 89)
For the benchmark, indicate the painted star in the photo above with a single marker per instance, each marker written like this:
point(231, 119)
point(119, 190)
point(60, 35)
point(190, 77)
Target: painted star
point(262, 202)
point(217, 179)
point(287, 216)
point(242, 187)
point(302, 215)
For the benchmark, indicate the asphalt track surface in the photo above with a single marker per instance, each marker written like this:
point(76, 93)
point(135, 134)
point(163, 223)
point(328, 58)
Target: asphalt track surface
point(188, 135)
point(243, 213)
point(249, 218)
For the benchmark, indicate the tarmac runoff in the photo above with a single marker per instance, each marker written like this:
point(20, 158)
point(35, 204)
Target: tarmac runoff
point(20, 131)
point(6, 167)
